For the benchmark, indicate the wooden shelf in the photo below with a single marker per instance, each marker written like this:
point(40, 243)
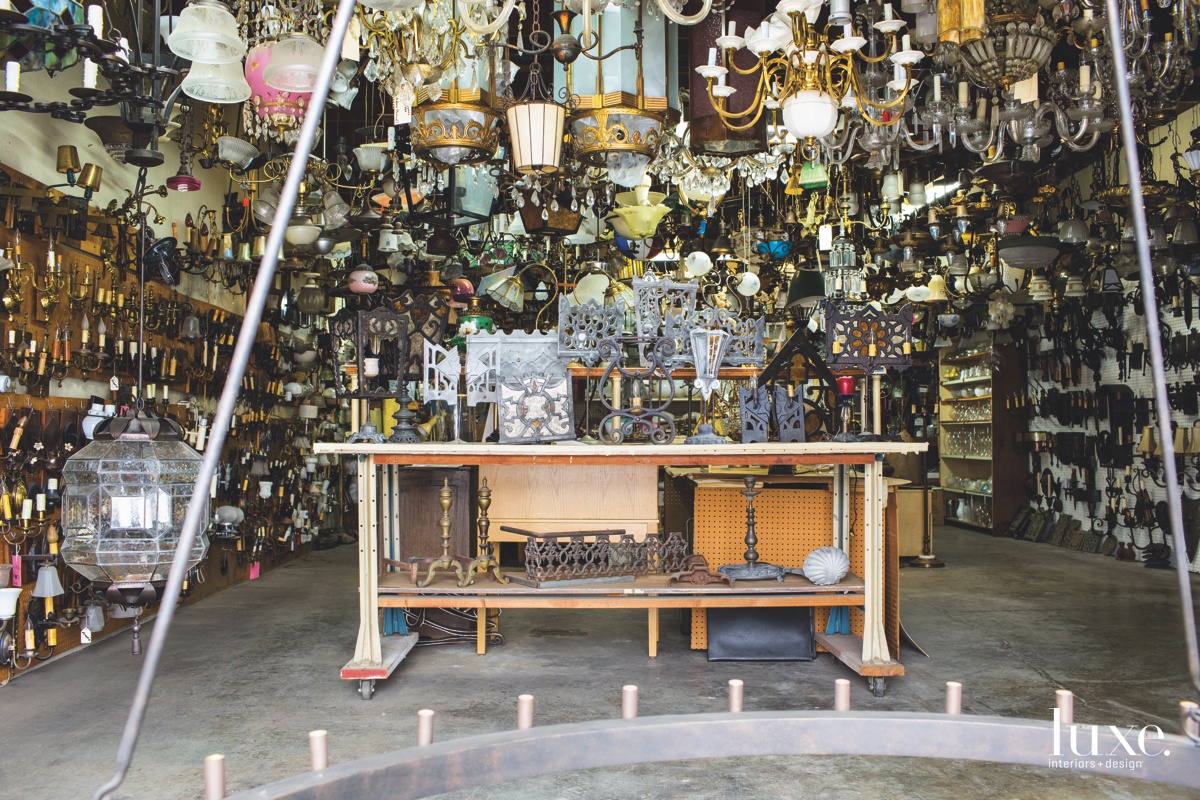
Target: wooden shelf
point(964, 422)
point(682, 373)
point(967, 458)
point(964, 381)
point(964, 399)
point(958, 358)
point(971, 492)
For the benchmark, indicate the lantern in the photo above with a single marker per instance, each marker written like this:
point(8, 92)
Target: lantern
point(124, 503)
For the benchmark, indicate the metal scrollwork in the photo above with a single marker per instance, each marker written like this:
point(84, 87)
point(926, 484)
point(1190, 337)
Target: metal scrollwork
point(640, 416)
point(580, 328)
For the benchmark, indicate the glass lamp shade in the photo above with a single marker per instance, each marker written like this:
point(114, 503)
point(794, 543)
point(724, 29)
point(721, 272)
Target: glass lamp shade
point(295, 62)
point(217, 83)
point(8, 602)
point(621, 139)
point(1028, 252)
point(937, 290)
point(637, 222)
point(536, 131)
point(207, 33)
point(48, 584)
point(235, 151)
point(708, 350)
point(283, 109)
point(1073, 231)
point(301, 231)
point(124, 503)
point(810, 113)
point(311, 300)
point(372, 157)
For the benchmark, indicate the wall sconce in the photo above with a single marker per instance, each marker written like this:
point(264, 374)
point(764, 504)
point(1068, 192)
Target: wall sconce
point(48, 587)
point(8, 610)
point(88, 177)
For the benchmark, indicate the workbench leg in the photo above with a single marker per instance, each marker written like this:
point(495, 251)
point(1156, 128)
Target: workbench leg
point(653, 636)
point(481, 630)
point(875, 649)
point(367, 652)
point(841, 508)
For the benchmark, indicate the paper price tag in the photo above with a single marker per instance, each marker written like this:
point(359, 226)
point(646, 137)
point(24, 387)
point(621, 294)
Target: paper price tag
point(114, 383)
point(825, 237)
point(85, 636)
point(402, 103)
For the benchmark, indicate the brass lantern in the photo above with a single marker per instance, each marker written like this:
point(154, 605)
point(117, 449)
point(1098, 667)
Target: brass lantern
point(463, 130)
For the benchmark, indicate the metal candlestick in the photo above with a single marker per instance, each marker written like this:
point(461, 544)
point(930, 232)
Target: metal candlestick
point(403, 431)
point(445, 561)
point(753, 569)
point(485, 561)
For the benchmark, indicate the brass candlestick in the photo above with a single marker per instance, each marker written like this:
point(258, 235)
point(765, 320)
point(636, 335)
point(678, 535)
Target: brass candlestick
point(445, 560)
point(485, 561)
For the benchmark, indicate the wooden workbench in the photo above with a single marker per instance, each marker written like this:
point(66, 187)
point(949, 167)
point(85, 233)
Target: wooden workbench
point(869, 657)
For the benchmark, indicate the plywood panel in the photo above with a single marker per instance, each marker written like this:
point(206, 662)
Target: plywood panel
point(544, 498)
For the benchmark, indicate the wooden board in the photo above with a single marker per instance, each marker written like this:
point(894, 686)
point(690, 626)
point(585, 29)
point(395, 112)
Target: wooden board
point(546, 499)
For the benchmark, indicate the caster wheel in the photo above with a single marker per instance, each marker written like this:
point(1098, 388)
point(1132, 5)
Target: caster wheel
point(877, 686)
point(366, 689)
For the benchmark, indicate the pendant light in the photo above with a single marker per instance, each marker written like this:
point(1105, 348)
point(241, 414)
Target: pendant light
point(207, 33)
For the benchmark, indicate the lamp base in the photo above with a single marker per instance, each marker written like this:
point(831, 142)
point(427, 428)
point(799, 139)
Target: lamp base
point(704, 435)
point(928, 562)
point(367, 433)
point(758, 571)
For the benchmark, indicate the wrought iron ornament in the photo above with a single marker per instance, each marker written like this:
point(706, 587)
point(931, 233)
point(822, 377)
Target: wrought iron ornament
point(868, 337)
point(753, 569)
point(641, 416)
point(611, 555)
point(582, 327)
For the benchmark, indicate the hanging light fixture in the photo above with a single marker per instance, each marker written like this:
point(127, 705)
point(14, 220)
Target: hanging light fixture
point(124, 501)
point(462, 130)
point(295, 62)
point(207, 33)
point(217, 83)
point(1001, 43)
point(535, 127)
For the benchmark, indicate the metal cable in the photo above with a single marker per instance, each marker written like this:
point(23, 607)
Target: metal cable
point(1154, 339)
point(224, 416)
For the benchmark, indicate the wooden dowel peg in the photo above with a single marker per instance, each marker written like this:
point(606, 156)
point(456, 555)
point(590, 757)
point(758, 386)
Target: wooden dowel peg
point(629, 702)
point(953, 697)
point(524, 712)
point(841, 695)
point(424, 727)
point(1065, 701)
point(736, 691)
point(214, 777)
point(318, 749)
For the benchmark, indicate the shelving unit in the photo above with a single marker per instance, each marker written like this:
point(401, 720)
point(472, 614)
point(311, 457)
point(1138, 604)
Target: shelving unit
point(979, 469)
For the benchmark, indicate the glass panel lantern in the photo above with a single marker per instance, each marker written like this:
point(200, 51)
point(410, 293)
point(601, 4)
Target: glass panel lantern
point(124, 502)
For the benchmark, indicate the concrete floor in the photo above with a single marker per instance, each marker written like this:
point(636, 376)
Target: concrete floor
point(251, 670)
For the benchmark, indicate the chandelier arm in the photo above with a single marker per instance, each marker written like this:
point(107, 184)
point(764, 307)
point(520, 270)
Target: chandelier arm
point(487, 29)
point(887, 52)
point(847, 148)
point(683, 19)
point(912, 143)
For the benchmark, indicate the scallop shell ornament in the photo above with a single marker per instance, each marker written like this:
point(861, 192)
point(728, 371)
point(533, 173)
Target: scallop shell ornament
point(826, 565)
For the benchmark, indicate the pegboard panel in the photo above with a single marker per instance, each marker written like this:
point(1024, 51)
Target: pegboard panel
point(1141, 383)
point(790, 523)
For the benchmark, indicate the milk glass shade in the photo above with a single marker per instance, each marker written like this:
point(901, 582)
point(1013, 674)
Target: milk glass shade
point(810, 113)
point(295, 61)
point(217, 83)
point(536, 130)
point(8, 602)
point(207, 34)
point(124, 503)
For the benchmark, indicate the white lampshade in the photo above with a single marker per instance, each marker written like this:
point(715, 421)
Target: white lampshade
point(8, 602)
point(217, 83)
point(207, 33)
point(536, 130)
point(48, 584)
point(810, 113)
point(295, 62)
point(1028, 252)
point(372, 157)
point(937, 289)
